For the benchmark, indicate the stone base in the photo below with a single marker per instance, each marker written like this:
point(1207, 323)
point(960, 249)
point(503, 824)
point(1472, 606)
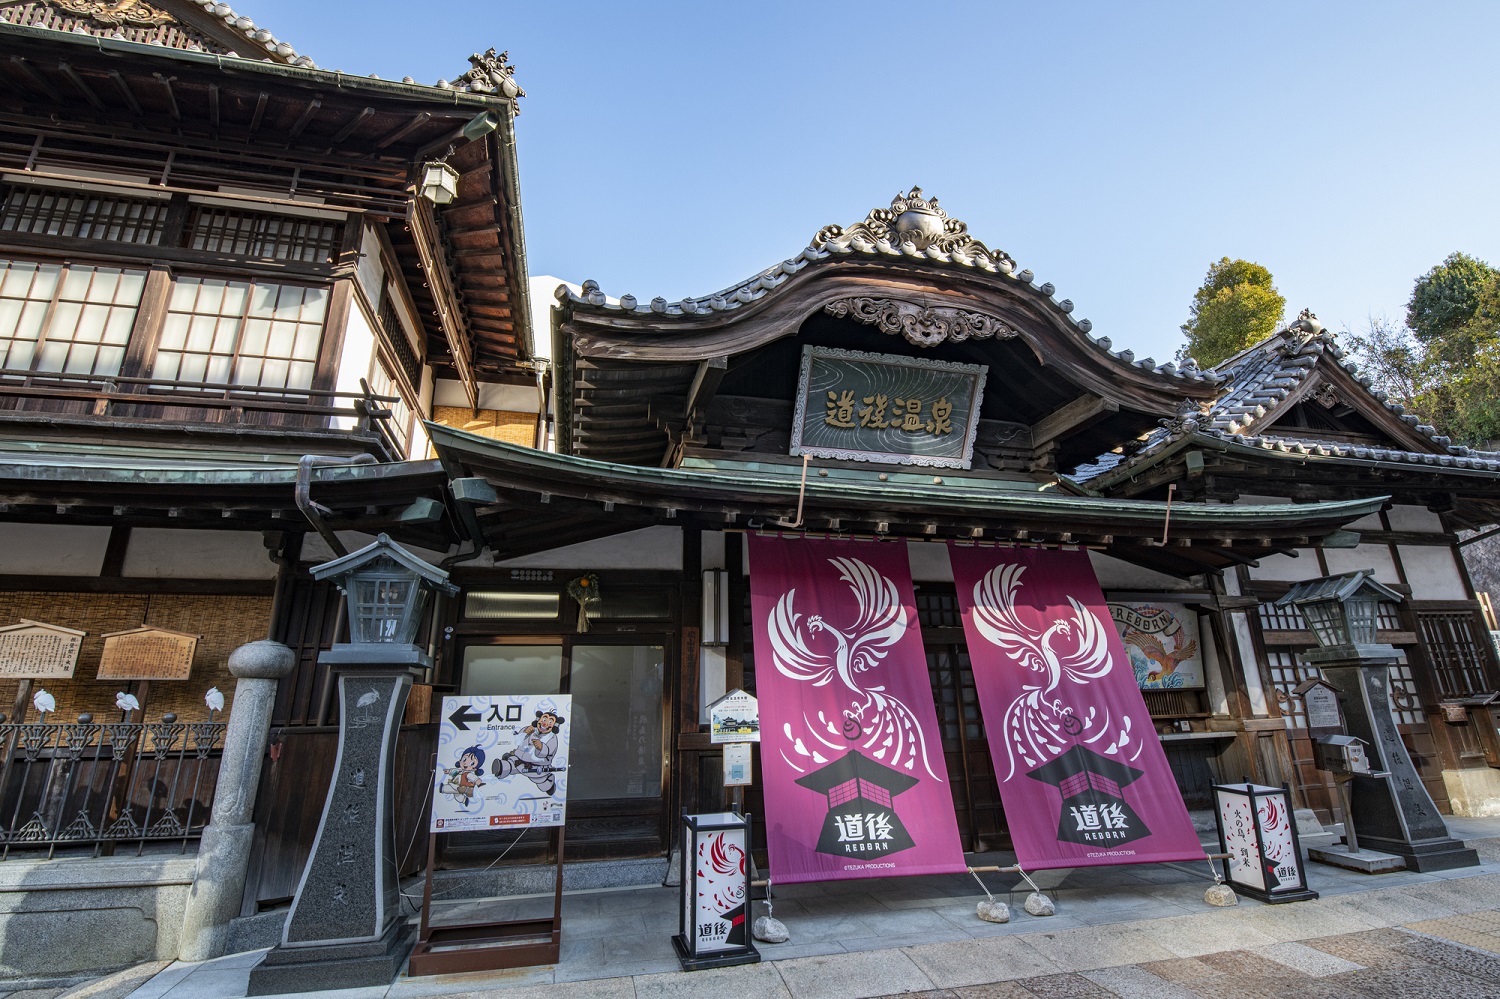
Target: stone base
point(333, 966)
point(1365, 861)
point(1473, 793)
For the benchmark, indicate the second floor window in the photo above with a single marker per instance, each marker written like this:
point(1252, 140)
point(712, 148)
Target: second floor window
point(254, 333)
point(72, 318)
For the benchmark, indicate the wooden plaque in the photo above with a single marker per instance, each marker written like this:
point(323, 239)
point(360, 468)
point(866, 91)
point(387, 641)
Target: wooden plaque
point(148, 654)
point(32, 650)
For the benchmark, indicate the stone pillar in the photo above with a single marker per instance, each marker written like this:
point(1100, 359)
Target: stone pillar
point(345, 929)
point(224, 852)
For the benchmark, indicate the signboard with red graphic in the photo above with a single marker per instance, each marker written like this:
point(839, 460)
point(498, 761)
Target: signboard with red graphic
point(1258, 831)
point(1082, 774)
point(856, 784)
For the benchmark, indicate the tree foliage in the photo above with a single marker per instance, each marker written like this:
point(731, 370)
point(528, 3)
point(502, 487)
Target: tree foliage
point(1236, 306)
point(1445, 364)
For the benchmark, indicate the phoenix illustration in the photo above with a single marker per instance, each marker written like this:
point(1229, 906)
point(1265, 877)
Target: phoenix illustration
point(815, 651)
point(1164, 663)
point(1041, 723)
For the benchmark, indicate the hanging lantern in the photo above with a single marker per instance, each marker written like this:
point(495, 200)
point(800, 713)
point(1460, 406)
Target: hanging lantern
point(439, 182)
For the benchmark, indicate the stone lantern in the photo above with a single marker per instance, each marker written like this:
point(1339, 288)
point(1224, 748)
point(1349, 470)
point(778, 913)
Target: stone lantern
point(1395, 814)
point(345, 928)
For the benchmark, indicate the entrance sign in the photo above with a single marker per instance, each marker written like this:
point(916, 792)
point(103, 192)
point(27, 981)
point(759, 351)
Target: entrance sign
point(148, 653)
point(1161, 640)
point(735, 717)
point(1082, 775)
point(502, 762)
point(880, 407)
point(856, 784)
point(32, 650)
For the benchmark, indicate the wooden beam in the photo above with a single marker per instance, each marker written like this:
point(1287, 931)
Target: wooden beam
point(706, 379)
point(425, 237)
point(126, 92)
point(1069, 419)
point(82, 85)
point(348, 129)
point(404, 130)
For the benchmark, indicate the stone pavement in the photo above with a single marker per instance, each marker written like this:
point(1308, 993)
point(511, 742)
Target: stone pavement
point(1126, 931)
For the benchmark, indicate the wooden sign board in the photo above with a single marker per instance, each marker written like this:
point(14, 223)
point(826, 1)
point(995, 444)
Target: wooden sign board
point(32, 650)
point(148, 654)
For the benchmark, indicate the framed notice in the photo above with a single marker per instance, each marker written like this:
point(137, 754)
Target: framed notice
point(32, 650)
point(735, 717)
point(1161, 640)
point(148, 653)
point(879, 407)
point(502, 762)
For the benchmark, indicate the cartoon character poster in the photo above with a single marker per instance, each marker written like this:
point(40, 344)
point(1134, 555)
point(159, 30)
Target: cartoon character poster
point(1082, 774)
point(1161, 640)
point(856, 784)
point(502, 762)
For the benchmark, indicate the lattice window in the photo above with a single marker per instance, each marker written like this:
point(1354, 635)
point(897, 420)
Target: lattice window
point(1406, 703)
point(381, 382)
point(395, 332)
point(1281, 617)
point(1452, 641)
point(72, 318)
point(258, 333)
point(938, 609)
point(257, 234)
point(1388, 616)
point(47, 211)
point(1286, 675)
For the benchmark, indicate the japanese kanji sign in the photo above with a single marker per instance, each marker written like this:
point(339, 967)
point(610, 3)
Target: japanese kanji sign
point(148, 653)
point(32, 650)
point(1082, 774)
point(879, 407)
point(856, 784)
point(502, 762)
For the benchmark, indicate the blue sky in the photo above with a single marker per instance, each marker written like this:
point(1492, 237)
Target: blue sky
point(1116, 150)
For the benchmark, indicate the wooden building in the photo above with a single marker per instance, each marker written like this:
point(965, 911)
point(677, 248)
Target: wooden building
point(239, 340)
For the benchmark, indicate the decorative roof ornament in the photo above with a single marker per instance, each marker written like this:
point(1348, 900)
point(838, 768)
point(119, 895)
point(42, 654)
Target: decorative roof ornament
point(132, 12)
point(915, 221)
point(921, 325)
point(490, 74)
point(1190, 417)
point(1307, 324)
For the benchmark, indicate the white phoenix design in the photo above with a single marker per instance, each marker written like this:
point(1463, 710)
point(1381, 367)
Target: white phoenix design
point(890, 729)
point(1041, 723)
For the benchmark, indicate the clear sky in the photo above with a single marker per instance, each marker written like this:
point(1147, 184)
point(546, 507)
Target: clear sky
point(1115, 149)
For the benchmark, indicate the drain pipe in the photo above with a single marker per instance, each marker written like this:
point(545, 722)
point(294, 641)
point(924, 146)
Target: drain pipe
point(315, 512)
point(541, 404)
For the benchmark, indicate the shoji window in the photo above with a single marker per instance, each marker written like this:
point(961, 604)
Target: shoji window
point(251, 332)
point(73, 318)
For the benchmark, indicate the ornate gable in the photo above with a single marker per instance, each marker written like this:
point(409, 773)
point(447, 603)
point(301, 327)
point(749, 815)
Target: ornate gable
point(192, 25)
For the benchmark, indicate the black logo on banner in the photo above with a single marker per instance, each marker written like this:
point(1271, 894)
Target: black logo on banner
point(861, 819)
point(1094, 809)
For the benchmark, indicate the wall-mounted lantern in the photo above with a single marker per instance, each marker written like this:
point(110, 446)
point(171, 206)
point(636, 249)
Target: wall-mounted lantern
point(439, 182)
point(386, 589)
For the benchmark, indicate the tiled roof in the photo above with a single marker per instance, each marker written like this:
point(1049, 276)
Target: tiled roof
point(914, 229)
point(255, 33)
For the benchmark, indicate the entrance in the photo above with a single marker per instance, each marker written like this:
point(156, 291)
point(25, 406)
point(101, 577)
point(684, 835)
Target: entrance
point(617, 777)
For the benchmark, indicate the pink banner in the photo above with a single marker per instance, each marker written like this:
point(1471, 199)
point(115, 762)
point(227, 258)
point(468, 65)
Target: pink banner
point(1082, 774)
point(855, 780)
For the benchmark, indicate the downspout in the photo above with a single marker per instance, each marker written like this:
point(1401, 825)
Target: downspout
point(541, 404)
point(315, 512)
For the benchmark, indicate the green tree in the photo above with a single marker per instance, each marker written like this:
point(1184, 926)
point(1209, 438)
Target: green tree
point(1391, 356)
point(1237, 306)
point(1447, 298)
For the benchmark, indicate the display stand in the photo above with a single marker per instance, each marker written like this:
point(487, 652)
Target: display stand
point(486, 946)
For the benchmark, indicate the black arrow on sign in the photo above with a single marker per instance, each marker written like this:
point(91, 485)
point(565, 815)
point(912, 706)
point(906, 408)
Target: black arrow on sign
point(464, 715)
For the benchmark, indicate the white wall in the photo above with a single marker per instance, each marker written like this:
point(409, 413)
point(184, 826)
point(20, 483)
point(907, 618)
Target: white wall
point(1117, 574)
point(511, 398)
point(1432, 574)
point(658, 547)
point(1287, 569)
point(929, 562)
point(52, 549)
point(162, 552)
point(1414, 518)
point(354, 362)
point(1377, 557)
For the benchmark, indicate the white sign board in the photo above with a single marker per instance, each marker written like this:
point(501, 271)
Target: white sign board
point(735, 717)
point(502, 762)
point(737, 767)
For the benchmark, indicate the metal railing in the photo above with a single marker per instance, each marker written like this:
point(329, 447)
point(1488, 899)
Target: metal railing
point(85, 784)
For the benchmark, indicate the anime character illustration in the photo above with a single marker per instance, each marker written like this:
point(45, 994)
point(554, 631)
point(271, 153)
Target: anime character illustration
point(532, 756)
point(463, 777)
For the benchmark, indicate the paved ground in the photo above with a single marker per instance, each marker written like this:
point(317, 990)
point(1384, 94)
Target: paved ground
point(1134, 932)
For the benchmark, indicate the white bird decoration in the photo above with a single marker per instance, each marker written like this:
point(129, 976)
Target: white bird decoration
point(1041, 723)
point(365, 700)
point(44, 702)
point(214, 699)
point(127, 702)
point(876, 720)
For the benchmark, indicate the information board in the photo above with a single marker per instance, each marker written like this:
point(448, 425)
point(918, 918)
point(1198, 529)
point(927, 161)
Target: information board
point(32, 650)
point(148, 654)
point(735, 717)
point(502, 762)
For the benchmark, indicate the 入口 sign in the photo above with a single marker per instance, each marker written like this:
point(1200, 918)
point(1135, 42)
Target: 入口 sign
point(502, 762)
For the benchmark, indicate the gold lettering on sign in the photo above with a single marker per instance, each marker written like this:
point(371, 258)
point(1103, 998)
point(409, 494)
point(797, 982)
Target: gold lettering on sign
point(32, 650)
point(148, 654)
point(840, 409)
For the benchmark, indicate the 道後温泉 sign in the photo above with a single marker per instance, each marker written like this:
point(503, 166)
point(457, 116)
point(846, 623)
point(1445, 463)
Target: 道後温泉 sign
point(1082, 774)
point(855, 780)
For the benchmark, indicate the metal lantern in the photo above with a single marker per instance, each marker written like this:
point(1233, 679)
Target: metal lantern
point(1341, 611)
point(439, 182)
point(386, 588)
